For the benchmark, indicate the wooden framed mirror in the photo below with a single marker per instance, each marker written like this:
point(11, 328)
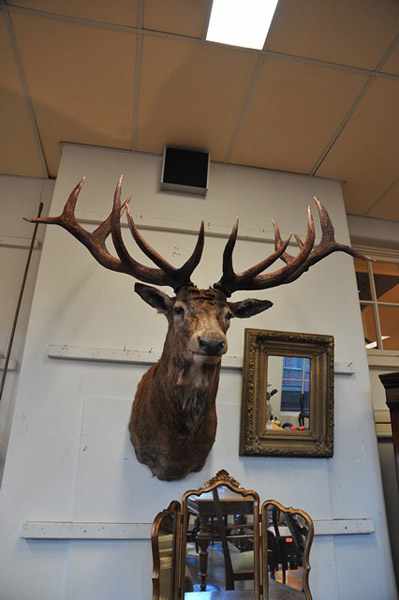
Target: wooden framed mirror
point(219, 545)
point(288, 394)
point(220, 532)
point(165, 548)
point(288, 535)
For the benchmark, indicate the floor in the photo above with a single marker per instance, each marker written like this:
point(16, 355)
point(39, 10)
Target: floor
point(294, 578)
point(216, 580)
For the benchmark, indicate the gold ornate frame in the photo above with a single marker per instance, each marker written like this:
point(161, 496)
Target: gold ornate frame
point(318, 442)
point(223, 478)
point(173, 511)
point(309, 540)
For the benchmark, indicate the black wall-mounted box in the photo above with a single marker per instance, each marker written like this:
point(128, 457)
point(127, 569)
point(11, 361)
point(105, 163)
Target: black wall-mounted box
point(185, 170)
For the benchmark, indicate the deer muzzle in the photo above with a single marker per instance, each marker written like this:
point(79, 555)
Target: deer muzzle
point(210, 344)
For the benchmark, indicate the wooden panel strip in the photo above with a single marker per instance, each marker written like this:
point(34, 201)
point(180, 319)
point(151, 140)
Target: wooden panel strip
point(133, 356)
point(76, 530)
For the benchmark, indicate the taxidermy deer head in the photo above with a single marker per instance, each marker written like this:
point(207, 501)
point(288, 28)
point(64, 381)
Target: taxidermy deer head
point(173, 421)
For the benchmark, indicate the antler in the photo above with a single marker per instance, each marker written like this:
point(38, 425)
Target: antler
point(166, 274)
point(308, 255)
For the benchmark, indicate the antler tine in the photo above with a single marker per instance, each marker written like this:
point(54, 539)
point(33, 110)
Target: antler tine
point(94, 242)
point(287, 258)
point(328, 243)
point(298, 240)
point(326, 246)
point(327, 228)
point(228, 271)
point(181, 275)
point(251, 279)
point(266, 262)
point(104, 229)
point(146, 248)
point(185, 271)
point(295, 265)
point(69, 209)
point(166, 274)
point(133, 267)
point(124, 263)
point(281, 276)
point(231, 281)
point(67, 218)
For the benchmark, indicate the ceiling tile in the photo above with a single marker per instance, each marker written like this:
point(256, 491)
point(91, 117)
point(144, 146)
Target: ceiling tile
point(194, 95)
point(294, 111)
point(354, 32)
point(119, 12)
point(19, 151)
point(366, 151)
point(392, 64)
point(82, 91)
point(388, 206)
point(185, 17)
point(359, 196)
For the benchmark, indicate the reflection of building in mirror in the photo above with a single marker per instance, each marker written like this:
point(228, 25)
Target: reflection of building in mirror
point(288, 393)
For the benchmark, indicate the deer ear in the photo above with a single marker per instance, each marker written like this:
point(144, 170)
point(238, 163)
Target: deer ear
point(249, 307)
point(154, 297)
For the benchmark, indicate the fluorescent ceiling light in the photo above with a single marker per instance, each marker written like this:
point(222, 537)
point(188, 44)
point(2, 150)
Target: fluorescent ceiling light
point(241, 22)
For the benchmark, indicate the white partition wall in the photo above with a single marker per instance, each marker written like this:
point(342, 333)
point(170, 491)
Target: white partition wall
point(19, 197)
point(70, 459)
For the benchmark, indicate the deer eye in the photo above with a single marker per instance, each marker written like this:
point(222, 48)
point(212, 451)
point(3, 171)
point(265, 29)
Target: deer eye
point(178, 311)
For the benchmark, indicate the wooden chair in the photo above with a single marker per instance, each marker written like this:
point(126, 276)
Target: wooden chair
point(239, 566)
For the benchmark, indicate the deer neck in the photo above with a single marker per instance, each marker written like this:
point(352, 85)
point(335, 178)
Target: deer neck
point(189, 383)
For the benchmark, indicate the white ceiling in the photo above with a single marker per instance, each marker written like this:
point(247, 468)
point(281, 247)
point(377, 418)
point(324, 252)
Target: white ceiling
point(321, 98)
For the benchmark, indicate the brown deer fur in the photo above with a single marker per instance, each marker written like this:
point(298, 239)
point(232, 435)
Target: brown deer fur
point(173, 421)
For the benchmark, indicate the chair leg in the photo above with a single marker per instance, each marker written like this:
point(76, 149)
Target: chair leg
point(203, 543)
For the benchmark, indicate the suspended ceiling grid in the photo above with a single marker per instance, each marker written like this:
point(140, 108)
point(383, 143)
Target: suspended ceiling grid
point(321, 98)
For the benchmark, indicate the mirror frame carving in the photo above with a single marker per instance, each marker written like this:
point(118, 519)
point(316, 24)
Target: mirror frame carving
point(309, 540)
point(174, 509)
point(223, 478)
point(318, 442)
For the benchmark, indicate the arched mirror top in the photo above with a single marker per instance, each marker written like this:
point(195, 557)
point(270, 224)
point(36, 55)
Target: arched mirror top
point(222, 479)
point(288, 535)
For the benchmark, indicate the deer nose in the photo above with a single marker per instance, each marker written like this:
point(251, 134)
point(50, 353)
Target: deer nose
point(211, 346)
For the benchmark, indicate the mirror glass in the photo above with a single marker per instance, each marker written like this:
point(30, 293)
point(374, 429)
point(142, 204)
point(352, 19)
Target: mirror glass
point(287, 538)
point(288, 394)
point(220, 538)
point(166, 548)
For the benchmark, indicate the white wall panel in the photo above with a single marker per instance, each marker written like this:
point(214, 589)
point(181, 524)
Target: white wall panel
point(70, 458)
point(19, 196)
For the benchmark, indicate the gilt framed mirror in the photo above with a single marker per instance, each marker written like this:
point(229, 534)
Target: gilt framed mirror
point(220, 544)
point(220, 553)
point(287, 535)
point(165, 550)
point(288, 394)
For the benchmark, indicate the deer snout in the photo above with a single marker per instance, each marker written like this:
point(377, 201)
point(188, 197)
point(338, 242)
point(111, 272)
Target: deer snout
point(211, 345)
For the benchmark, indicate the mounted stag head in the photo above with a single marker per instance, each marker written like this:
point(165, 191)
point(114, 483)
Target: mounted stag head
point(173, 421)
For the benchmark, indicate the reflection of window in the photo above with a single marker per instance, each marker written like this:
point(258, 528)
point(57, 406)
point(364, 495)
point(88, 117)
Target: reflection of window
point(378, 287)
point(295, 385)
